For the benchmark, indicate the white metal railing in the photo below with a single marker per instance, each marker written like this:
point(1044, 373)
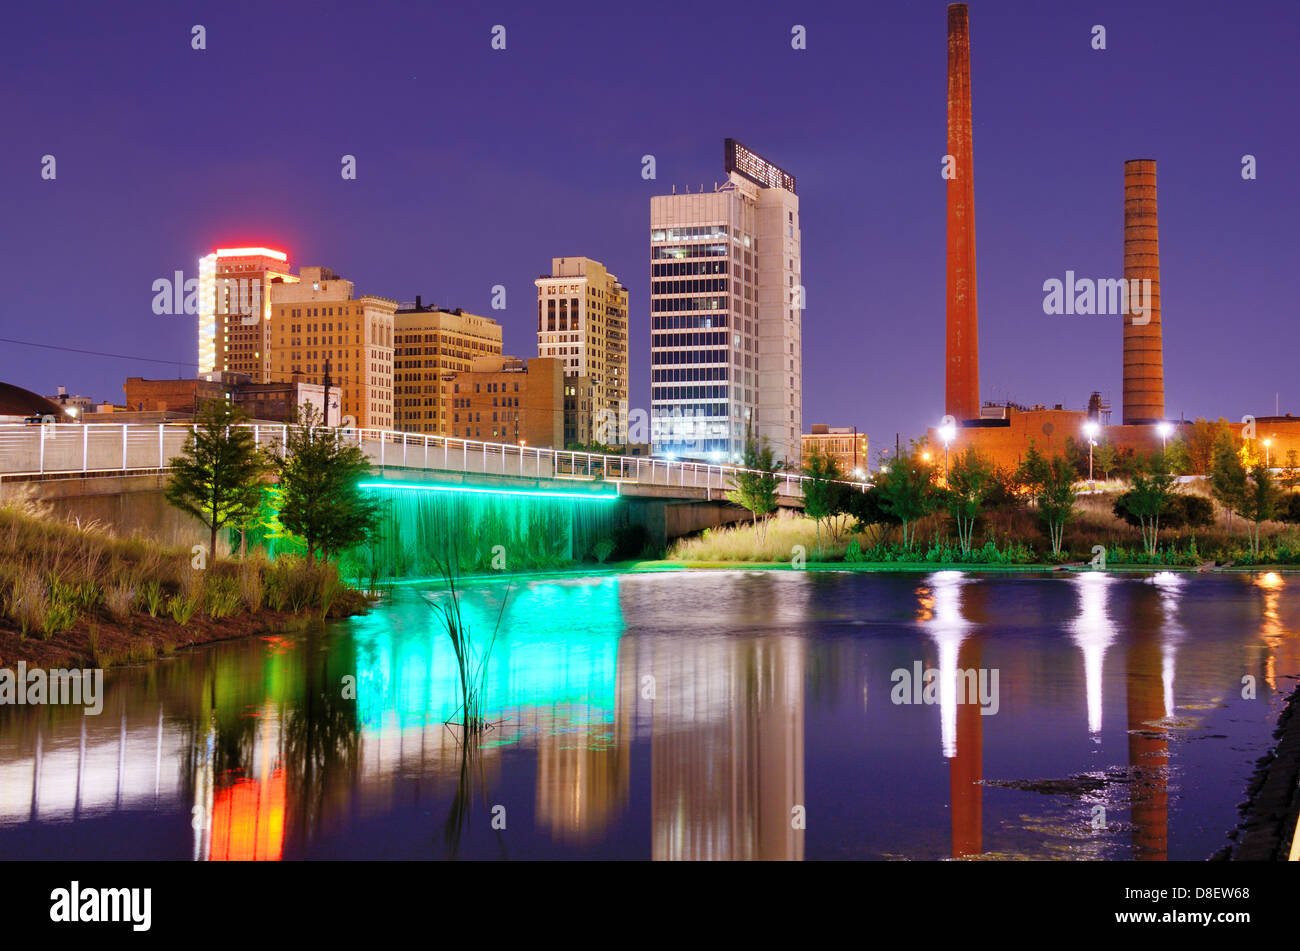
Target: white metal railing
point(108, 448)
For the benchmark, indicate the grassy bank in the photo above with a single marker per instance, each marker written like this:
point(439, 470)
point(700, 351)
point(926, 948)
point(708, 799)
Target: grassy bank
point(1003, 539)
point(74, 594)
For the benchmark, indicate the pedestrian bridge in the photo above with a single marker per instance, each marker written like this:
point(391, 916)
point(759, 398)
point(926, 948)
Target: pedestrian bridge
point(105, 449)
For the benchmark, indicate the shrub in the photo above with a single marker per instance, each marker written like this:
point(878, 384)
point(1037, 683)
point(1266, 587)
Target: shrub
point(854, 552)
point(118, 599)
point(221, 596)
point(182, 607)
point(151, 597)
point(603, 549)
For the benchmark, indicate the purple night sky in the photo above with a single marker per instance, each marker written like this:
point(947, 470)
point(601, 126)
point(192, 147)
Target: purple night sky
point(476, 166)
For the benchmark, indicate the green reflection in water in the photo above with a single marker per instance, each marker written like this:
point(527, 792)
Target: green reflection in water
point(557, 647)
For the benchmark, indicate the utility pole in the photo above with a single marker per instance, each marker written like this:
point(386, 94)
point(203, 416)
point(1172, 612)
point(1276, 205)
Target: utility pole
point(326, 381)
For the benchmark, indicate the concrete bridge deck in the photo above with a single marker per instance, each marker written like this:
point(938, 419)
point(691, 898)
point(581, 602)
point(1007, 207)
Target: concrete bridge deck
point(97, 449)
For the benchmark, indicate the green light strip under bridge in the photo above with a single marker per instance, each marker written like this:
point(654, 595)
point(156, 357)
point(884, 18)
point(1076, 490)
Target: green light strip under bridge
point(538, 494)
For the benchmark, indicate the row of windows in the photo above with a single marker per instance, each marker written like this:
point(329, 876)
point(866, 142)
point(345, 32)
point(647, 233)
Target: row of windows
point(689, 233)
point(714, 286)
point(690, 251)
point(478, 418)
point(662, 357)
point(687, 321)
point(687, 411)
point(662, 305)
point(683, 268)
point(689, 340)
point(689, 392)
point(492, 387)
point(685, 375)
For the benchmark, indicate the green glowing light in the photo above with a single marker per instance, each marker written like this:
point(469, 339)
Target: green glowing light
point(536, 494)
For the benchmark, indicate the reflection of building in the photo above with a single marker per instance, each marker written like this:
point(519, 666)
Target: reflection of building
point(1148, 743)
point(951, 608)
point(727, 749)
point(429, 342)
point(1093, 632)
point(248, 821)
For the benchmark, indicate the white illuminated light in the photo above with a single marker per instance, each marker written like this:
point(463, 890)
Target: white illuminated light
point(208, 313)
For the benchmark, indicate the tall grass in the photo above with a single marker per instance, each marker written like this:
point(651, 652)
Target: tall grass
point(55, 575)
point(471, 659)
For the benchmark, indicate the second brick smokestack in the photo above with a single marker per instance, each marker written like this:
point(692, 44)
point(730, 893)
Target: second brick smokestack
point(962, 379)
point(1144, 368)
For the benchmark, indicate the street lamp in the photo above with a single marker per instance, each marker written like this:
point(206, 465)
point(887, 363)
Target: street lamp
point(1090, 429)
point(947, 432)
point(1268, 454)
point(1165, 430)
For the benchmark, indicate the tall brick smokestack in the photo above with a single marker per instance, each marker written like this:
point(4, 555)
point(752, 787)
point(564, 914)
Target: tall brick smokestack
point(962, 383)
point(1144, 367)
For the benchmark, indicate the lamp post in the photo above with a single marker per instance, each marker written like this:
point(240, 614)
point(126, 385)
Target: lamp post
point(947, 432)
point(1164, 429)
point(1090, 429)
point(1268, 454)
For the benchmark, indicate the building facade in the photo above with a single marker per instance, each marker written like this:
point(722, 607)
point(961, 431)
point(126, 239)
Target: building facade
point(844, 443)
point(582, 320)
point(320, 328)
point(428, 343)
point(579, 399)
point(235, 309)
point(726, 308)
point(507, 400)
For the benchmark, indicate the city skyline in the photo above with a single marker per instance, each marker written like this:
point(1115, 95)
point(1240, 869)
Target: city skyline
point(492, 186)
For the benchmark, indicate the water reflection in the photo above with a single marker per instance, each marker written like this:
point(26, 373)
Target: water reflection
point(681, 717)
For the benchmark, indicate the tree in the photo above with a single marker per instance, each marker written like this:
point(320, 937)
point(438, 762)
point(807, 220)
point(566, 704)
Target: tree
point(1150, 495)
point(907, 492)
point(1258, 502)
point(822, 497)
point(320, 476)
point(869, 515)
point(1177, 457)
point(1054, 498)
point(1202, 438)
point(754, 486)
point(1103, 459)
point(970, 479)
point(1227, 476)
point(1291, 471)
point(1051, 484)
point(217, 478)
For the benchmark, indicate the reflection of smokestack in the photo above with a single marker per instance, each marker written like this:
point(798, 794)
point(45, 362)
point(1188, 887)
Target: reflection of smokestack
point(962, 388)
point(1144, 369)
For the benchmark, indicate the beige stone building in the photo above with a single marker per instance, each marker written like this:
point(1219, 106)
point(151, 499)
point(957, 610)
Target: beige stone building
point(319, 323)
point(582, 320)
point(845, 443)
point(428, 343)
point(507, 400)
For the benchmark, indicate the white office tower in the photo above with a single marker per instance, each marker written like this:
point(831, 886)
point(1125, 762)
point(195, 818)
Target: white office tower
point(726, 308)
